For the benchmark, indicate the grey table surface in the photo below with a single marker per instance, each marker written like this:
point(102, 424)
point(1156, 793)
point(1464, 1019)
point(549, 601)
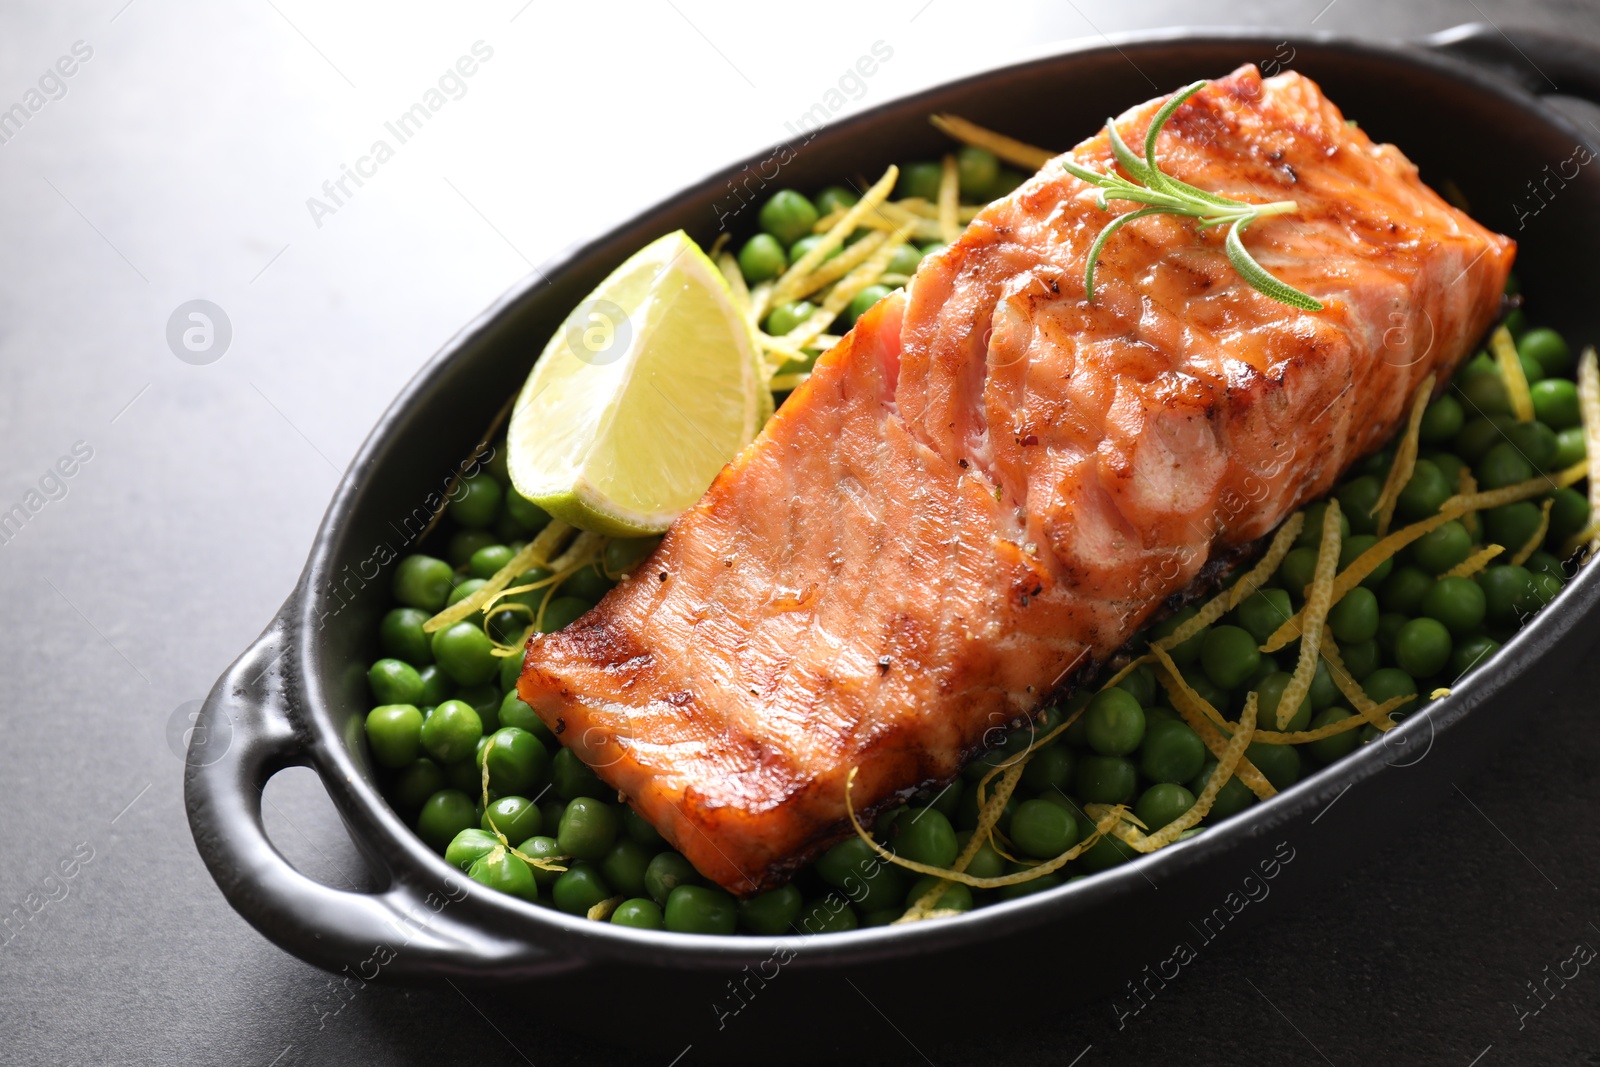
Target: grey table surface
point(176, 163)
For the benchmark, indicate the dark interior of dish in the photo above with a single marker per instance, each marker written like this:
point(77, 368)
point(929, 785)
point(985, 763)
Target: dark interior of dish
point(1468, 128)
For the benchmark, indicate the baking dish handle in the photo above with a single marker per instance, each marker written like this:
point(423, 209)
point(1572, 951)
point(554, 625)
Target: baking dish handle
point(410, 930)
point(1542, 63)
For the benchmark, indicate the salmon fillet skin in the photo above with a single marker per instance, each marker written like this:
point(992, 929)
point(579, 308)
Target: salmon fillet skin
point(989, 484)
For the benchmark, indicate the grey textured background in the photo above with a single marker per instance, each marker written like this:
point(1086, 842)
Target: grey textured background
point(177, 166)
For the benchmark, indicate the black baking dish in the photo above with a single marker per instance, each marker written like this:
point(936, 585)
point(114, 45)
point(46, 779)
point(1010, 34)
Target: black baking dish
point(1464, 105)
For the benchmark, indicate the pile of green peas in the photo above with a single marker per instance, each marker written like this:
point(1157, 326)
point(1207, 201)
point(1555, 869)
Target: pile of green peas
point(788, 220)
point(442, 698)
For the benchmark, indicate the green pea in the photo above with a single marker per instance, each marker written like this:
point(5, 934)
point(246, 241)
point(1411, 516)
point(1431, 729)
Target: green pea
point(588, 828)
point(924, 835)
point(1311, 534)
point(1140, 683)
point(422, 582)
point(1041, 829)
point(1361, 658)
point(465, 587)
point(1229, 657)
point(465, 653)
point(1545, 589)
point(1297, 571)
point(517, 761)
point(525, 513)
point(1424, 493)
point(1206, 689)
point(1485, 394)
point(1232, 798)
point(1507, 593)
point(1435, 552)
point(1441, 420)
point(579, 888)
point(1457, 603)
point(836, 198)
point(1570, 448)
point(1481, 434)
point(1516, 323)
point(1481, 363)
point(510, 673)
point(1569, 514)
point(1450, 465)
point(1536, 442)
point(1115, 722)
point(639, 830)
point(588, 583)
point(920, 180)
point(1171, 752)
point(1512, 525)
point(830, 915)
point(905, 260)
point(933, 248)
point(640, 914)
point(788, 216)
point(786, 317)
point(1324, 693)
point(1005, 183)
point(806, 244)
point(623, 554)
point(698, 909)
point(469, 846)
point(394, 733)
point(502, 871)
point(1547, 348)
point(1051, 768)
point(451, 732)
point(416, 782)
point(1355, 616)
point(1269, 695)
point(1037, 884)
point(1503, 465)
point(1329, 749)
point(1188, 653)
point(1404, 589)
point(1103, 855)
point(1389, 624)
point(443, 816)
point(401, 636)
point(1542, 562)
point(514, 713)
point(1388, 683)
point(1105, 779)
point(518, 818)
point(771, 913)
point(476, 501)
point(665, 872)
point(1357, 498)
point(1351, 549)
point(862, 301)
point(978, 169)
point(624, 866)
point(562, 612)
point(1162, 803)
point(1422, 647)
point(1279, 764)
point(541, 848)
point(485, 700)
point(573, 778)
point(1263, 611)
point(1470, 653)
point(1555, 403)
point(955, 897)
point(986, 862)
point(487, 561)
point(762, 258)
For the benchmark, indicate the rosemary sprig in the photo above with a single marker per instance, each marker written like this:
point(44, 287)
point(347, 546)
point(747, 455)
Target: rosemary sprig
point(1166, 195)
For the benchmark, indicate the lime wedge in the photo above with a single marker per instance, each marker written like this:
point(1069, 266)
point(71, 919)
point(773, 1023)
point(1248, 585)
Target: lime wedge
point(648, 388)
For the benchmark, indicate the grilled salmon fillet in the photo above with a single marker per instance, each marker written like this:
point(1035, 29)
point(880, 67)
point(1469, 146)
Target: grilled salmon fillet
point(990, 483)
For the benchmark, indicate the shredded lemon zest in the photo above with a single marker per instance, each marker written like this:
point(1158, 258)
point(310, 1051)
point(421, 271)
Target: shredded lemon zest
point(1581, 540)
point(1474, 563)
point(1365, 564)
point(949, 199)
point(1203, 719)
point(1300, 737)
point(535, 553)
point(1531, 545)
point(1589, 407)
point(1405, 458)
point(728, 264)
point(840, 265)
point(602, 911)
point(1128, 668)
point(1505, 354)
point(1228, 599)
point(1226, 762)
point(760, 302)
point(846, 291)
point(783, 291)
point(1319, 599)
point(1442, 691)
point(927, 209)
point(1374, 713)
point(790, 382)
point(1018, 153)
point(1467, 486)
point(917, 215)
point(1048, 867)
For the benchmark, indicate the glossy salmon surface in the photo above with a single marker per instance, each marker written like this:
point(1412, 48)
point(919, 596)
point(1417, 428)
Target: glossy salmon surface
point(990, 483)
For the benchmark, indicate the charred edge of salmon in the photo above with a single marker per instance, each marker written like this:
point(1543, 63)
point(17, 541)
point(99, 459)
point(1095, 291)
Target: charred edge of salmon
point(1224, 560)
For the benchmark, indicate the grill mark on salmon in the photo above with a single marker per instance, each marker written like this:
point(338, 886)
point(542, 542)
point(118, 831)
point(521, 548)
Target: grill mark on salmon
point(989, 484)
